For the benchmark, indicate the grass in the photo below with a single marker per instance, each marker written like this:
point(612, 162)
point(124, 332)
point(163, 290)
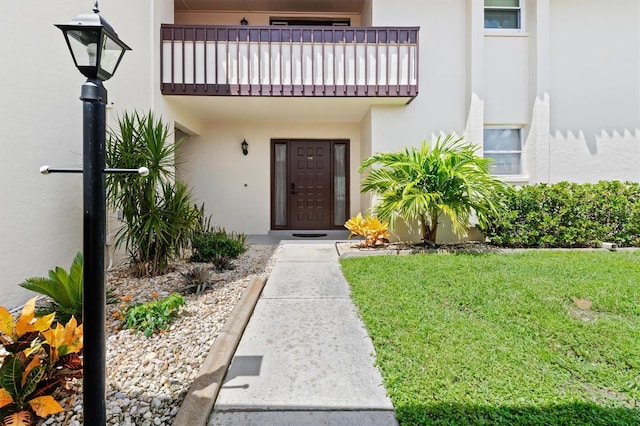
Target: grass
point(537, 338)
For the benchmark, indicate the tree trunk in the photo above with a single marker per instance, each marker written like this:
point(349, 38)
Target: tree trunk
point(430, 229)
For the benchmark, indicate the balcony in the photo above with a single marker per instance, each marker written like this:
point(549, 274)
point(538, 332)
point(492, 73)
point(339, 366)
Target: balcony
point(274, 61)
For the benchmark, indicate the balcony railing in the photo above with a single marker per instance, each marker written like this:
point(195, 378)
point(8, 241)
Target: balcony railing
point(289, 61)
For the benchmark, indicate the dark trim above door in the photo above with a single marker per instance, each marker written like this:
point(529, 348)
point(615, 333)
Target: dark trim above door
point(309, 184)
point(311, 22)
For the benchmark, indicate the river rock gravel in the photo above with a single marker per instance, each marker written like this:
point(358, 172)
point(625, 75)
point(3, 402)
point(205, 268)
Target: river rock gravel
point(147, 378)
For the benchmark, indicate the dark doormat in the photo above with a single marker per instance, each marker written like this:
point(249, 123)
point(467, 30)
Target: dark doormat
point(309, 235)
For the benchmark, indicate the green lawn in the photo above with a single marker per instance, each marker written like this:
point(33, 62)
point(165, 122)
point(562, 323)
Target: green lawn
point(505, 339)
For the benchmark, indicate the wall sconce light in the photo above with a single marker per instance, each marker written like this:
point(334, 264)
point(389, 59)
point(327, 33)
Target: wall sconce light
point(245, 147)
point(244, 21)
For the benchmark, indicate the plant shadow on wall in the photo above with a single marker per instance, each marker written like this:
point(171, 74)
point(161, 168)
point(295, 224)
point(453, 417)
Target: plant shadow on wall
point(441, 178)
point(157, 211)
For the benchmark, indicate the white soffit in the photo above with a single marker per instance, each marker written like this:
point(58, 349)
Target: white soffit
point(316, 6)
point(279, 109)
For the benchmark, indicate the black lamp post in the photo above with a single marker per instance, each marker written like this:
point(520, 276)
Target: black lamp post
point(96, 51)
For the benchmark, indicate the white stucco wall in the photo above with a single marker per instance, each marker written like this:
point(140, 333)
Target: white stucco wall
point(236, 188)
point(595, 90)
point(365, 152)
point(365, 18)
point(506, 80)
point(441, 105)
point(41, 123)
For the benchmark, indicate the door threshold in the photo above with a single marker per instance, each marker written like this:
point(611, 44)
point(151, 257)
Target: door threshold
point(310, 234)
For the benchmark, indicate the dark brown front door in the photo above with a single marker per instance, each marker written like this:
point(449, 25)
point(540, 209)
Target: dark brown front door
point(310, 174)
point(309, 181)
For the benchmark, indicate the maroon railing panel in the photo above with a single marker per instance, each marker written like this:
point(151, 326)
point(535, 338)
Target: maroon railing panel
point(292, 40)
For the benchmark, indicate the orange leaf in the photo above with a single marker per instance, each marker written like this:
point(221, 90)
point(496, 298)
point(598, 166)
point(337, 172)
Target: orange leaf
point(58, 334)
point(6, 322)
point(55, 339)
point(69, 330)
point(72, 337)
point(49, 336)
point(24, 325)
point(45, 405)
point(21, 418)
point(43, 323)
point(5, 398)
point(126, 298)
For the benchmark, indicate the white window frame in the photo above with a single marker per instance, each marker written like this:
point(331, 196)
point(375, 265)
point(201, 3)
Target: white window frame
point(521, 171)
point(521, 29)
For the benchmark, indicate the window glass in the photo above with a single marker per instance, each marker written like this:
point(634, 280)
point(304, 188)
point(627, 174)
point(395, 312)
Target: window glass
point(502, 19)
point(504, 146)
point(340, 185)
point(280, 185)
point(502, 3)
point(503, 14)
point(501, 139)
point(504, 164)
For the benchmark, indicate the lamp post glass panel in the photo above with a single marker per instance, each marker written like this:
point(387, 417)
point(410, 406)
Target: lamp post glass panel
point(97, 52)
point(94, 45)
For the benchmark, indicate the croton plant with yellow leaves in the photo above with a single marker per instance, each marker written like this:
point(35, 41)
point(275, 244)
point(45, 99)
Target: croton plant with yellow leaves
point(38, 358)
point(375, 233)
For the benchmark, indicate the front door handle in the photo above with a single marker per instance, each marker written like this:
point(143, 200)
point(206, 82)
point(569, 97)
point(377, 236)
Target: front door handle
point(293, 188)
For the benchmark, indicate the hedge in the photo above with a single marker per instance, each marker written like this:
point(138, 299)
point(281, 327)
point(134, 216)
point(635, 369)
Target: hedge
point(568, 214)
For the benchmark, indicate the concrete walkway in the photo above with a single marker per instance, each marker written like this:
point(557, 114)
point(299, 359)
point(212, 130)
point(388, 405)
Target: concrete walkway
point(305, 357)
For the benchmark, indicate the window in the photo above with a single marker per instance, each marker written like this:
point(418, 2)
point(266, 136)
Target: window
point(503, 14)
point(504, 146)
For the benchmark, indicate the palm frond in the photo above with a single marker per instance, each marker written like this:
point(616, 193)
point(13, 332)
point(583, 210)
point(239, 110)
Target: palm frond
point(445, 176)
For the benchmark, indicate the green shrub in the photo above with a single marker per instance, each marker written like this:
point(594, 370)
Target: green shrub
point(151, 316)
point(64, 290)
point(214, 243)
point(568, 215)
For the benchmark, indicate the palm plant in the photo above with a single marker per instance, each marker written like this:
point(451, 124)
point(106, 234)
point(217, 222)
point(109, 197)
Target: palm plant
point(64, 290)
point(444, 177)
point(156, 210)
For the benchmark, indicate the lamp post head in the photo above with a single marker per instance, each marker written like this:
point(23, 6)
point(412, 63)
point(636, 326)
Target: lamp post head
point(245, 147)
point(94, 45)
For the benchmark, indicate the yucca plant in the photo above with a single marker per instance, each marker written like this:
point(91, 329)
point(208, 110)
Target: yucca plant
point(40, 358)
point(157, 211)
point(64, 290)
point(444, 177)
